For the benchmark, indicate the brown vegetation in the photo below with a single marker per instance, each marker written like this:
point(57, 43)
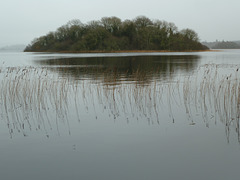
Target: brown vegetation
point(31, 97)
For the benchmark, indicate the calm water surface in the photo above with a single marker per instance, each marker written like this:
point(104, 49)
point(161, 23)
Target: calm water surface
point(120, 116)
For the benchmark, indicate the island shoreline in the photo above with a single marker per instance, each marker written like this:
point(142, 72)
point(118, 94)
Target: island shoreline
point(124, 51)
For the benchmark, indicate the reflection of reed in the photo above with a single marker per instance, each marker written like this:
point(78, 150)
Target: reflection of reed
point(27, 95)
point(33, 99)
point(216, 93)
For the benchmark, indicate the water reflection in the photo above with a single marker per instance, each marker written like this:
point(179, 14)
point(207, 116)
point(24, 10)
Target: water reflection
point(116, 69)
point(34, 99)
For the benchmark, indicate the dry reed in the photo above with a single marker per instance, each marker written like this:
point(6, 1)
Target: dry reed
point(31, 97)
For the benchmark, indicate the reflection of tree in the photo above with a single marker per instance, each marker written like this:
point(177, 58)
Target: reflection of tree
point(145, 68)
point(34, 99)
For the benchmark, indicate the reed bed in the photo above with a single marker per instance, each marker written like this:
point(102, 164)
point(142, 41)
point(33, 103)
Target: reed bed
point(36, 99)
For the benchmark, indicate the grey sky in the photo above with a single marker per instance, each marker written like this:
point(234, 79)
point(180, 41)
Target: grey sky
point(23, 20)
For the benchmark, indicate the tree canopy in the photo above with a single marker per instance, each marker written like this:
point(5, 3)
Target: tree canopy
point(226, 45)
point(113, 34)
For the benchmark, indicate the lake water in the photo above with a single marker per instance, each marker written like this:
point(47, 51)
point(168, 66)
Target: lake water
point(120, 116)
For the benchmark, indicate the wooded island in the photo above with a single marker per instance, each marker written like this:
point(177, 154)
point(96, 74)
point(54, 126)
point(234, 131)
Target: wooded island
point(112, 34)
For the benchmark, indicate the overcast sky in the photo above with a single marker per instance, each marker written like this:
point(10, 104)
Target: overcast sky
point(23, 20)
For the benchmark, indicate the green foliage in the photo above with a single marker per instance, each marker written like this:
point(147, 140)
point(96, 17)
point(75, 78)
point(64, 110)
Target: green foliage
point(112, 34)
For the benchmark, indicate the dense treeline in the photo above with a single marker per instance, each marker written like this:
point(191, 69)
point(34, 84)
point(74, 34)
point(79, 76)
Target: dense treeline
point(226, 45)
point(112, 34)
